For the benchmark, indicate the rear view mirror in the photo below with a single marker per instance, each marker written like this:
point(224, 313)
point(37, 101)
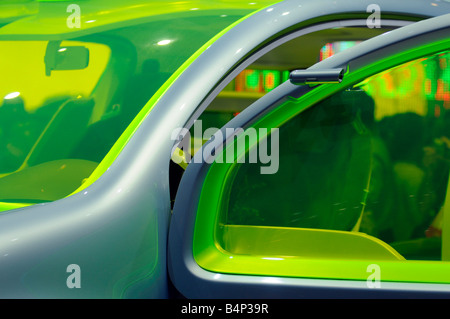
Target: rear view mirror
point(65, 58)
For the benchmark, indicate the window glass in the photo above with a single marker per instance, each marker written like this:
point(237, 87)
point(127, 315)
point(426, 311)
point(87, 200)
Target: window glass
point(63, 104)
point(31, 96)
point(272, 69)
point(372, 159)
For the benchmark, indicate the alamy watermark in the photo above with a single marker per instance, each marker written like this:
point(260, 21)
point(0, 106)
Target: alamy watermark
point(374, 279)
point(74, 279)
point(238, 141)
point(374, 19)
point(74, 19)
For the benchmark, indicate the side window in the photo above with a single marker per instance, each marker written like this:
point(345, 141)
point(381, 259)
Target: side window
point(372, 160)
point(323, 172)
point(260, 77)
point(272, 69)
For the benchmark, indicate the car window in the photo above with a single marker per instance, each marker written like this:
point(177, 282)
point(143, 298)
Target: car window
point(31, 96)
point(271, 70)
point(372, 159)
point(260, 77)
point(64, 104)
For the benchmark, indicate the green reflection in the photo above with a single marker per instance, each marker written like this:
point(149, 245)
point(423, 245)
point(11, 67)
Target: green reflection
point(55, 128)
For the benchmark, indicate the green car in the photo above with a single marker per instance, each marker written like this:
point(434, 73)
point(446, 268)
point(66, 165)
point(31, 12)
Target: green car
point(224, 149)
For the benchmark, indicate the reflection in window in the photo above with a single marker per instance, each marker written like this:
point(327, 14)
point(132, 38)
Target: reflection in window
point(61, 113)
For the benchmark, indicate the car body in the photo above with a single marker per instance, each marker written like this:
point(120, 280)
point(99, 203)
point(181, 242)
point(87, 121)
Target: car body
point(87, 206)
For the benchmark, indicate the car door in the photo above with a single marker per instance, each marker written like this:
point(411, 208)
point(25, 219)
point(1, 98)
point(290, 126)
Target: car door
point(327, 189)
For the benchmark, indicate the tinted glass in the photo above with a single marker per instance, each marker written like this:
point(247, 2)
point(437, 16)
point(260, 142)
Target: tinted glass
point(64, 104)
point(372, 159)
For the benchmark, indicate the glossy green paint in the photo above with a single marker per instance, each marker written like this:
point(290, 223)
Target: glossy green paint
point(210, 255)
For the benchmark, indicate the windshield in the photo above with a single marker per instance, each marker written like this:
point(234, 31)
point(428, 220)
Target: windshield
point(32, 99)
point(63, 104)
